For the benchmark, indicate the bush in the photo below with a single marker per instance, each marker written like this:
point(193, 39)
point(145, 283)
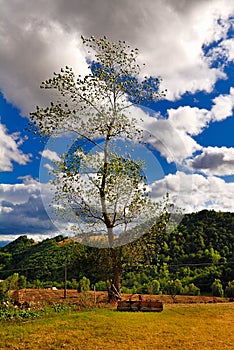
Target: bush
point(3, 293)
point(73, 284)
point(47, 284)
point(58, 285)
point(22, 282)
point(11, 282)
point(217, 288)
point(191, 289)
point(83, 285)
point(60, 308)
point(229, 290)
point(11, 314)
point(101, 286)
point(126, 290)
point(35, 284)
point(174, 287)
point(154, 287)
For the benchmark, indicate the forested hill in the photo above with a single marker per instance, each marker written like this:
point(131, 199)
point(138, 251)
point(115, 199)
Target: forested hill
point(199, 250)
point(202, 235)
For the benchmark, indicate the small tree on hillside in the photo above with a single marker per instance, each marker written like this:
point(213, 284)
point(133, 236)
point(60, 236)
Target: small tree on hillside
point(102, 191)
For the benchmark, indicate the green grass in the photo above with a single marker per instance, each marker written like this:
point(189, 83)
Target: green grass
point(197, 327)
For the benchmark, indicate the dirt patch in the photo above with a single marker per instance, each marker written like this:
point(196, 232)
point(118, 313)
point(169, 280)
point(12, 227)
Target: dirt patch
point(50, 297)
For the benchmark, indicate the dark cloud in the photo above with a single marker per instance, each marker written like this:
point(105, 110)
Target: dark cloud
point(208, 161)
point(218, 161)
point(115, 18)
point(185, 5)
point(29, 217)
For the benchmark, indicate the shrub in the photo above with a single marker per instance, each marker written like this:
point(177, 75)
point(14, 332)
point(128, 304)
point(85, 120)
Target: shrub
point(73, 284)
point(84, 285)
point(22, 282)
point(58, 285)
point(150, 289)
point(191, 289)
point(101, 286)
point(11, 314)
point(229, 290)
point(174, 287)
point(126, 290)
point(60, 307)
point(3, 293)
point(47, 284)
point(36, 284)
point(217, 288)
point(154, 287)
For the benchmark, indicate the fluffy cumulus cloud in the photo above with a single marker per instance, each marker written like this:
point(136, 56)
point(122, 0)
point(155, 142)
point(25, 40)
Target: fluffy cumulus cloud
point(224, 50)
point(175, 145)
point(19, 193)
point(190, 120)
point(214, 161)
point(51, 155)
point(223, 106)
point(174, 136)
point(194, 192)
point(10, 152)
point(40, 37)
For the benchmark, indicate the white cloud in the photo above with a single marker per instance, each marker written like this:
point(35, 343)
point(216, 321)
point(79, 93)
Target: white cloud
point(214, 161)
point(223, 106)
point(48, 166)
point(51, 155)
point(20, 193)
point(177, 51)
point(10, 152)
point(169, 34)
point(5, 209)
point(175, 145)
point(224, 51)
point(190, 120)
point(194, 192)
point(228, 46)
point(172, 136)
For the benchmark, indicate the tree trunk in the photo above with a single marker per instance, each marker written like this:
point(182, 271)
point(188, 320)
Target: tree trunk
point(110, 236)
point(114, 290)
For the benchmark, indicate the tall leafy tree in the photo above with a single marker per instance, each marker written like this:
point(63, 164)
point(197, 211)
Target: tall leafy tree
point(101, 189)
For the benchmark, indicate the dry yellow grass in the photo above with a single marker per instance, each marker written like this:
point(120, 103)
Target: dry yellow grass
point(198, 327)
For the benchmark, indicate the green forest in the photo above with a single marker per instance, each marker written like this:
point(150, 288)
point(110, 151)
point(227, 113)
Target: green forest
point(195, 258)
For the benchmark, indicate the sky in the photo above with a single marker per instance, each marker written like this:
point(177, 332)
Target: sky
point(189, 44)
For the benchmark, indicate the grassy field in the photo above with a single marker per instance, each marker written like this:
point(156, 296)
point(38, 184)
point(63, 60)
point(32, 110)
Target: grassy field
point(181, 327)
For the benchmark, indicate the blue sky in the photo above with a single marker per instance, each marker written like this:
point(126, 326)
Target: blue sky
point(189, 44)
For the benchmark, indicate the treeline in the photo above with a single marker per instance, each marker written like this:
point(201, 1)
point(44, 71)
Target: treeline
point(197, 257)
